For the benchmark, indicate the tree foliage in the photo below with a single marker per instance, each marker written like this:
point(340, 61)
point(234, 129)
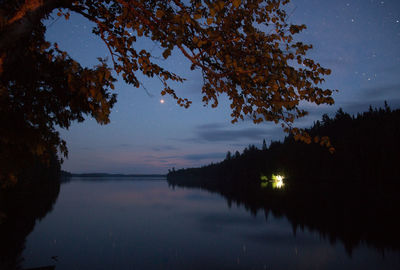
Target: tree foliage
point(244, 48)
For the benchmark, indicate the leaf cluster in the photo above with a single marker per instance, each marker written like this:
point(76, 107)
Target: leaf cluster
point(41, 89)
point(245, 49)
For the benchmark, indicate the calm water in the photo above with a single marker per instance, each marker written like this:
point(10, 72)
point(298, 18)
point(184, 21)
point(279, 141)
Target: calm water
point(144, 224)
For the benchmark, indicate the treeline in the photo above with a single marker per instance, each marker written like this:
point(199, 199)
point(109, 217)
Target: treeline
point(107, 175)
point(349, 196)
point(366, 149)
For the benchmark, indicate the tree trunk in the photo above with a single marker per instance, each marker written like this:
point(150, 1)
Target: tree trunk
point(17, 25)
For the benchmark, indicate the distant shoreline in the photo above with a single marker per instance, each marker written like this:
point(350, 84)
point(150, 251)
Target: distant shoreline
point(112, 175)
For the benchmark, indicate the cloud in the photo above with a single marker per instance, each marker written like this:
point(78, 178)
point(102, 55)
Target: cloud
point(240, 145)
point(211, 126)
point(382, 92)
point(216, 132)
point(196, 157)
point(233, 135)
point(162, 148)
point(124, 145)
point(218, 135)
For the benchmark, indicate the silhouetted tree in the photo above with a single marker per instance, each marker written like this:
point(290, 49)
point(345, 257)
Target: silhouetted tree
point(264, 145)
point(244, 49)
point(228, 155)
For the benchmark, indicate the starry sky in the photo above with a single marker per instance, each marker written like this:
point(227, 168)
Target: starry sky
point(357, 39)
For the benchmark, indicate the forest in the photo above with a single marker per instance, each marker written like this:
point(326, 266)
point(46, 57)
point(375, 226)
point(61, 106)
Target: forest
point(350, 195)
point(366, 148)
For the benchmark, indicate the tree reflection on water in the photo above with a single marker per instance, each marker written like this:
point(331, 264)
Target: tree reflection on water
point(20, 208)
point(351, 212)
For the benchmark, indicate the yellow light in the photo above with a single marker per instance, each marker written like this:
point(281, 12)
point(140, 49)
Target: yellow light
point(264, 184)
point(162, 101)
point(277, 181)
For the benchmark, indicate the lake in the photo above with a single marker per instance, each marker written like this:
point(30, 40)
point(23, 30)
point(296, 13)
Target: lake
point(126, 223)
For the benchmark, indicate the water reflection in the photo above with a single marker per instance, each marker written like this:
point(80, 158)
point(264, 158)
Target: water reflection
point(20, 209)
point(147, 225)
point(354, 214)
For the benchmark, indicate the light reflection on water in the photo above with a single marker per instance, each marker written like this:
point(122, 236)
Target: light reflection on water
point(147, 225)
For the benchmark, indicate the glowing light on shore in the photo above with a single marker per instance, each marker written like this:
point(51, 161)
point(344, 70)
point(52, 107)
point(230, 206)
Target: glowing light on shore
point(277, 181)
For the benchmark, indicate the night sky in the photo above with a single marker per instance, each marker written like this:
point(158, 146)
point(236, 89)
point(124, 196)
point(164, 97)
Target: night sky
point(357, 39)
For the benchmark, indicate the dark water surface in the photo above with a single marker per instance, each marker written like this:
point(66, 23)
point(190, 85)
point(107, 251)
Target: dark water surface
point(145, 224)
